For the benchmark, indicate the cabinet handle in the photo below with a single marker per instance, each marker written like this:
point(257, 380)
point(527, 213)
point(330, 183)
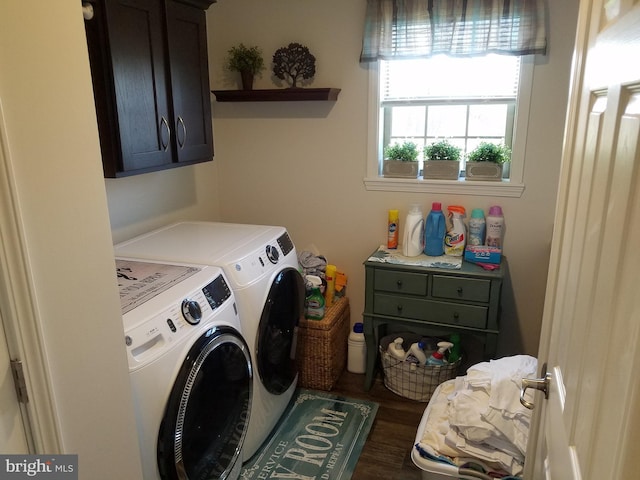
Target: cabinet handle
point(399, 283)
point(399, 308)
point(456, 317)
point(459, 291)
point(184, 132)
point(164, 123)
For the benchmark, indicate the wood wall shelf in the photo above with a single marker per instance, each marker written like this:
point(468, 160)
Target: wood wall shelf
point(277, 95)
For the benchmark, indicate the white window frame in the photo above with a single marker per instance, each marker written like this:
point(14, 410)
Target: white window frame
point(512, 187)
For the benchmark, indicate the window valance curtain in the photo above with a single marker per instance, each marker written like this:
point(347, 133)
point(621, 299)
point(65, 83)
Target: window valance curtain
point(396, 29)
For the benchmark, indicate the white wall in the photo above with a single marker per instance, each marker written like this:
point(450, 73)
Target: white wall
point(45, 88)
point(143, 202)
point(302, 164)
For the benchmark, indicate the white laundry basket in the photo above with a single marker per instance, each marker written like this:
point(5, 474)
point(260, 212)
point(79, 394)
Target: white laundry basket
point(432, 469)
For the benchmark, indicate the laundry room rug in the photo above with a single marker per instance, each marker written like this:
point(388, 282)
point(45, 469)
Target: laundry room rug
point(319, 436)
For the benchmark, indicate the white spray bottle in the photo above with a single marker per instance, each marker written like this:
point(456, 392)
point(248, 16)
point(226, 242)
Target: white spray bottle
point(416, 354)
point(437, 358)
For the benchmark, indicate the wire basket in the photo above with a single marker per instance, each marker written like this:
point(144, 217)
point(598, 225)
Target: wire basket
point(413, 381)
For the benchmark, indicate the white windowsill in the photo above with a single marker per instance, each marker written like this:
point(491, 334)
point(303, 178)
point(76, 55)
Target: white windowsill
point(458, 187)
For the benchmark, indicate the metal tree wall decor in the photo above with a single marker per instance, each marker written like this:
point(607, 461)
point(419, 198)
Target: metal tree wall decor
point(294, 62)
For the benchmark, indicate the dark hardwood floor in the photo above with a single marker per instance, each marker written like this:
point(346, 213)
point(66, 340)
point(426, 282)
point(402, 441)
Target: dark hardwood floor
point(387, 452)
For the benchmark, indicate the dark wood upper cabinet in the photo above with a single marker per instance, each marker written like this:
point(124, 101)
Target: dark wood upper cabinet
point(151, 84)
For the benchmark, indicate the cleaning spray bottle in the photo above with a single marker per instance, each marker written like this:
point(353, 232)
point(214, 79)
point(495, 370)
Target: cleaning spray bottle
point(437, 358)
point(315, 301)
point(416, 353)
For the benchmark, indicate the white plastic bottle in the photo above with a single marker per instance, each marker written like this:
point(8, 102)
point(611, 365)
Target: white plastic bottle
point(413, 238)
point(395, 349)
point(357, 350)
point(495, 227)
point(477, 227)
point(416, 354)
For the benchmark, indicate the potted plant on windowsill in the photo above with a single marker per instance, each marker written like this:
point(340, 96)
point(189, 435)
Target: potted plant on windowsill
point(486, 161)
point(401, 160)
point(246, 60)
point(442, 161)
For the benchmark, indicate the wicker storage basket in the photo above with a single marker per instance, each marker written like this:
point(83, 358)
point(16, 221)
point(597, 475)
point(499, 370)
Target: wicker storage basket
point(416, 382)
point(321, 354)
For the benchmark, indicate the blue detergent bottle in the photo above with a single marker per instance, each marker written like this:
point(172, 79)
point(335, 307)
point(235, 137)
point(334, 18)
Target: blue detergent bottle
point(435, 228)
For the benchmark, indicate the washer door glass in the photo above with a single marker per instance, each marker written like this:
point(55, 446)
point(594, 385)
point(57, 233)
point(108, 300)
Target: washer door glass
point(277, 331)
point(207, 413)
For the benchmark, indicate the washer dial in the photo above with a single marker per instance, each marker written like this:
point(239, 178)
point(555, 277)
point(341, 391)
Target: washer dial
point(272, 254)
point(191, 311)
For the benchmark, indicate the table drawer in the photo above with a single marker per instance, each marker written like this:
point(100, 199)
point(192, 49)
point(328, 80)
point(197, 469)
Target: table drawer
point(458, 288)
point(430, 311)
point(401, 282)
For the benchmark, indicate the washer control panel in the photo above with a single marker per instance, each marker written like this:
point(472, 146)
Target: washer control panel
point(151, 336)
point(261, 261)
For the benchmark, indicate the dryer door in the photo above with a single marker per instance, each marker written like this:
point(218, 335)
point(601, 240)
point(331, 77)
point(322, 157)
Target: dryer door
point(278, 330)
point(207, 414)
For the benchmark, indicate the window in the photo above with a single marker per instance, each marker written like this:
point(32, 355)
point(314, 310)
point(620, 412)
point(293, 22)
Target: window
point(463, 100)
point(466, 100)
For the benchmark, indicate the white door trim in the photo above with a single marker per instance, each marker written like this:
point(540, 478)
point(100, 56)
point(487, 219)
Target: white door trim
point(20, 314)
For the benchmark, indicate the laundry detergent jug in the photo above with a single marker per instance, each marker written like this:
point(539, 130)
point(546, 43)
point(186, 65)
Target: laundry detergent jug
point(456, 236)
point(434, 230)
point(413, 239)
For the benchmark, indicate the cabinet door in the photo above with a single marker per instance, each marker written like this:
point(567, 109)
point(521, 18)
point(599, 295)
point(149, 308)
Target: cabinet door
point(187, 36)
point(138, 53)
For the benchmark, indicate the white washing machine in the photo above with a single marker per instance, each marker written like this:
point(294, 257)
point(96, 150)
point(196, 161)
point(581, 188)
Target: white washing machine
point(262, 267)
point(190, 369)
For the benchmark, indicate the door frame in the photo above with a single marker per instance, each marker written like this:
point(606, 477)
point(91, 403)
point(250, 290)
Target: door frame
point(20, 317)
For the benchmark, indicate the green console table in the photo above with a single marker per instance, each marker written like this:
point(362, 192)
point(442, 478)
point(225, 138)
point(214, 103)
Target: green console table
point(432, 302)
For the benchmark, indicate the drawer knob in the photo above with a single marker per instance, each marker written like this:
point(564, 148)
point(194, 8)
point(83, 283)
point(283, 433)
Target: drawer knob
point(399, 283)
point(399, 308)
point(459, 290)
point(456, 317)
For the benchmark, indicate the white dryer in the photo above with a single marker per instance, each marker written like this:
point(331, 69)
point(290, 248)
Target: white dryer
point(190, 369)
point(261, 264)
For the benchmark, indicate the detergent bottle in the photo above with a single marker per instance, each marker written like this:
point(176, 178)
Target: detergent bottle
point(455, 351)
point(477, 227)
point(395, 349)
point(413, 238)
point(434, 230)
point(456, 237)
point(437, 358)
point(495, 227)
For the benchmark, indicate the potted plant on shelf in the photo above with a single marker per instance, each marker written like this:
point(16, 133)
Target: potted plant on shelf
point(442, 161)
point(486, 161)
point(401, 160)
point(246, 60)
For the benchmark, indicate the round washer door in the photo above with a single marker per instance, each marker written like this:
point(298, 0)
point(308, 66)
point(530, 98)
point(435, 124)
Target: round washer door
point(277, 331)
point(207, 414)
